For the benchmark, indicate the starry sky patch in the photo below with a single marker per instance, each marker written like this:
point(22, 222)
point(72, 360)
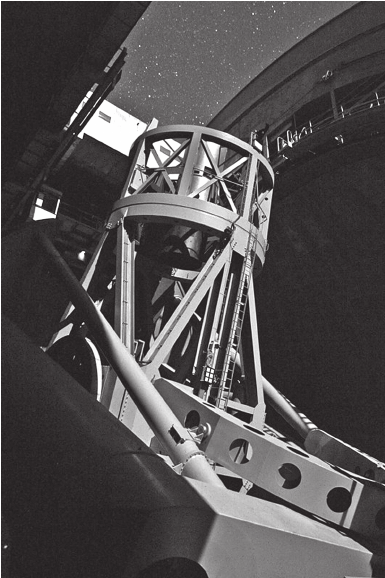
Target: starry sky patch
point(186, 60)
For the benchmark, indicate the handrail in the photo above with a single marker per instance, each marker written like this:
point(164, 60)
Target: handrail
point(294, 137)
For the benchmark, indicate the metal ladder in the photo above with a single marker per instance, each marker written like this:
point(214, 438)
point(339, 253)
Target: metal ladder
point(226, 379)
point(236, 323)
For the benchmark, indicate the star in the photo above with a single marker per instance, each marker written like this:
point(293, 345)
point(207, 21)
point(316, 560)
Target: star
point(186, 60)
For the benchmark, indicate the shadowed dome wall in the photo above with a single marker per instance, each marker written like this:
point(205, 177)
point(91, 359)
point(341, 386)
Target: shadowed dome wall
point(321, 303)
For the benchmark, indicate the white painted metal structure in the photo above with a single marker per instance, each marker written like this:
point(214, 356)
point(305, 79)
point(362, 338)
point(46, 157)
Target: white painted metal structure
point(174, 274)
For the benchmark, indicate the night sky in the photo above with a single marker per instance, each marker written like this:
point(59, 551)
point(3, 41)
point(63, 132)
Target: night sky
point(186, 60)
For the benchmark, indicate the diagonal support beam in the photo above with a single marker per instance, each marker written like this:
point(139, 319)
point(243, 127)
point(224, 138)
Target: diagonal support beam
point(219, 176)
point(163, 170)
point(181, 316)
point(161, 167)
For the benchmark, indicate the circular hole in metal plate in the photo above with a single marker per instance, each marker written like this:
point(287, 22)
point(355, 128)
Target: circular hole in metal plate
point(192, 419)
point(339, 499)
point(380, 519)
point(290, 476)
point(240, 451)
